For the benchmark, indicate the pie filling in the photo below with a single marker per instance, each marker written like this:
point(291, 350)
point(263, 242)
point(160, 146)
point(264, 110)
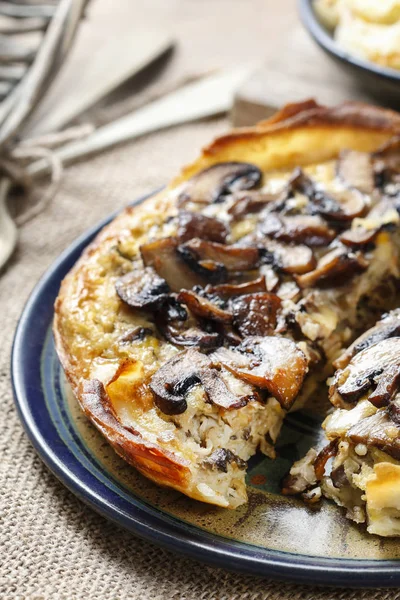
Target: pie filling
point(207, 325)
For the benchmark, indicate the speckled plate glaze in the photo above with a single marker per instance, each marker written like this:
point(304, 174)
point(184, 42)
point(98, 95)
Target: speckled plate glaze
point(272, 535)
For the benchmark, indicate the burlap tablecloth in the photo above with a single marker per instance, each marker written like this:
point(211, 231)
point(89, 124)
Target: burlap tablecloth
point(51, 545)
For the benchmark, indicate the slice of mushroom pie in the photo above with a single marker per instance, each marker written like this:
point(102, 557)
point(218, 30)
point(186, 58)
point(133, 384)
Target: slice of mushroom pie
point(197, 319)
point(363, 434)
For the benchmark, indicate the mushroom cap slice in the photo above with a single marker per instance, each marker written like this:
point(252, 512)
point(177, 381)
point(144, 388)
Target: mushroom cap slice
point(387, 327)
point(335, 268)
point(142, 288)
point(374, 371)
point(377, 430)
point(229, 290)
point(255, 314)
point(216, 182)
point(171, 383)
point(162, 255)
point(204, 308)
point(195, 225)
point(254, 202)
point(284, 257)
point(272, 363)
point(233, 258)
point(356, 171)
point(311, 230)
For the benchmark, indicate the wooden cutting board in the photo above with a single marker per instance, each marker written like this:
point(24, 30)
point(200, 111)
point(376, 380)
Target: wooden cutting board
point(298, 69)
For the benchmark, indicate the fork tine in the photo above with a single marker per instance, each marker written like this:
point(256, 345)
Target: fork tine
point(11, 51)
point(23, 11)
point(24, 25)
point(12, 73)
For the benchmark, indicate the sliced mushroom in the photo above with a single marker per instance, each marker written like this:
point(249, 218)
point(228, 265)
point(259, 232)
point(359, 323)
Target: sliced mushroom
point(254, 202)
point(175, 325)
point(137, 333)
point(355, 170)
point(305, 229)
point(162, 255)
point(326, 453)
point(284, 257)
point(171, 383)
point(386, 328)
point(337, 206)
point(387, 166)
point(204, 308)
point(255, 314)
point(221, 458)
point(335, 268)
point(232, 258)
point(216, 182)
point(195, 225)
point(374, 371)
point(229, 290)
point(378, 430)
point(272, 363)
point(142, 288)
point(359, 236)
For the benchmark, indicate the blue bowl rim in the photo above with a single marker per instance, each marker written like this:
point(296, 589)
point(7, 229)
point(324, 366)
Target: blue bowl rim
point(324, 39)
point(196, 544)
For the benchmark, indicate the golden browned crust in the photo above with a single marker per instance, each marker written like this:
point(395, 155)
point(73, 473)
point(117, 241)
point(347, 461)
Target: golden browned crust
point(299, 134)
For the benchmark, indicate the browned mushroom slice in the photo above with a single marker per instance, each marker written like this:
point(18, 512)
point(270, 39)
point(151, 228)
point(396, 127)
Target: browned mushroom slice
point(290, 259)
point(335, 268)
point(232, 258)
point(228, 290)
point(175, 325)
point(377, 430)
point(254, 202)
point(306, 229)
point(337, 206)
point(272, 363)
point(359, 236)
point(386, 328)
point(195, 225)
point(326, 453)
point(171, 383)
point(214, 183)
point(204, 308)
point(375, 370)
point(355, 170)
point(142, 288)
point(162, 255)
point(255, 314)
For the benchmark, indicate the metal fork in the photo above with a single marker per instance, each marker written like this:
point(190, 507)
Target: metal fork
point(25, 74)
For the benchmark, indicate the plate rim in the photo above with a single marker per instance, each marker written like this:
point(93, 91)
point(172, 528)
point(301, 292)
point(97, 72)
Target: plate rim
point(321, 36)
point(246, 558)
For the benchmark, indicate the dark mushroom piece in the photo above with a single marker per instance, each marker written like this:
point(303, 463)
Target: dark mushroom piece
point(386, 328)
point(359, 236)
point(386, 161)
point(232, 258)
point(172, 382)
point(272, 363)
point(284, 257)
point(142, 288)
point(135, 334)
point(255, 314)
point(216, 182)
point(175, 325)
point(229, 290)
point(374, 371)
point(195, 225)
point(342, 205)
point(254, 202)
point(378, 430)
point(204, 308)
point(221, 458)
point(355, 170)
point(304, 229)
point(162, 255)
point(335, 268)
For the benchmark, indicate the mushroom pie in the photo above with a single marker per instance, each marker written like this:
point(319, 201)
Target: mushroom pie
point(197, 319)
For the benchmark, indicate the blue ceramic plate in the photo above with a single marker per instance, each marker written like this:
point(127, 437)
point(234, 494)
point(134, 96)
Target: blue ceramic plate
point(381, 82)
point(272, 535)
